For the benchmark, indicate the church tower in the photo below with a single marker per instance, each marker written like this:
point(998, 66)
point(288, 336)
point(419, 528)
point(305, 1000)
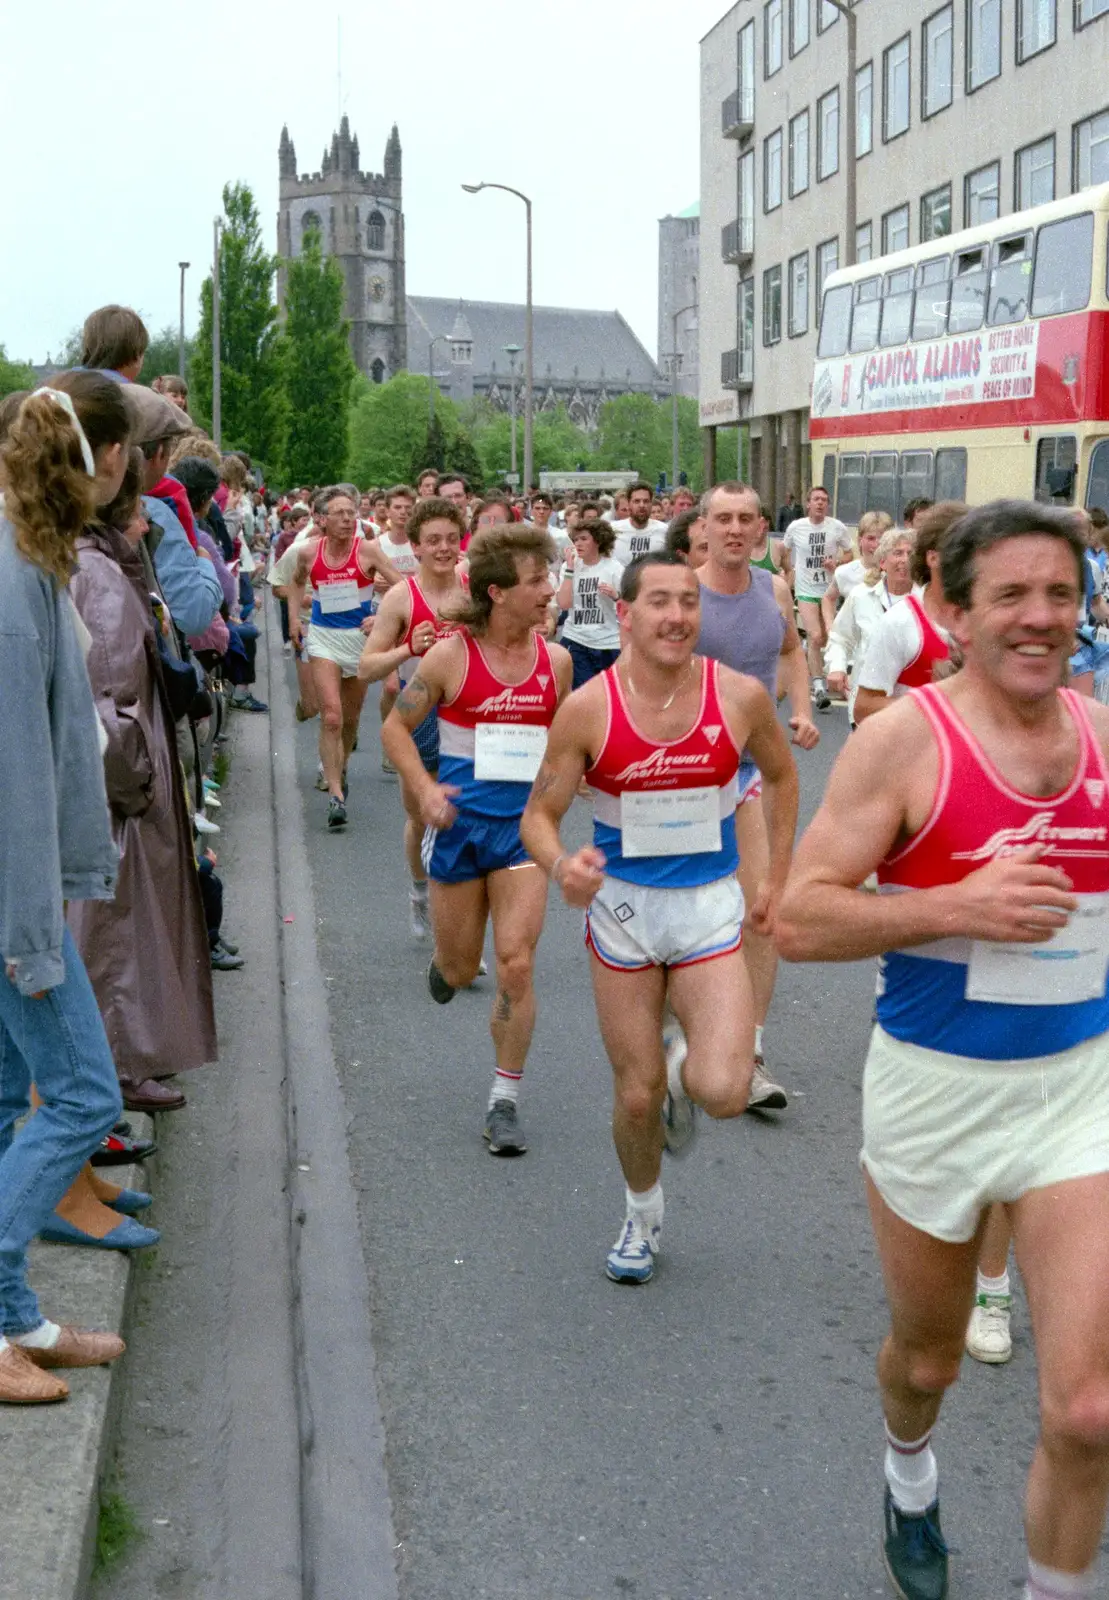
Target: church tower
point(361, 223)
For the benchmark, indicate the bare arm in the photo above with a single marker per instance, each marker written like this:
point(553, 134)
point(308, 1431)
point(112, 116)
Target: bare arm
point(828, 605)
point(565, 594)
point(796, 673)
point(412, 705)
point(298, 586)
point(378, 564)
point(579, 875)
point(868, 701)
point(770, 749)
point(383, 652)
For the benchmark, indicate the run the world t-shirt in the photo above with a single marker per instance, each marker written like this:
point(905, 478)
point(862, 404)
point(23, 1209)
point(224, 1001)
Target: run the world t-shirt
point(809, 546)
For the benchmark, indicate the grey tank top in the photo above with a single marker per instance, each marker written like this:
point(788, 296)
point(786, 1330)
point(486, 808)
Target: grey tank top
point(744, 631)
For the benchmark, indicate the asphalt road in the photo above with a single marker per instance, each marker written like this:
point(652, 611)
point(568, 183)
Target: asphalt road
point(714, 1435)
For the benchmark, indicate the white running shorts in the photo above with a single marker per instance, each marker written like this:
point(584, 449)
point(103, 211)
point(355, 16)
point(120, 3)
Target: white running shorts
point(630, 927)
point(945, 1136)
point(341, 645)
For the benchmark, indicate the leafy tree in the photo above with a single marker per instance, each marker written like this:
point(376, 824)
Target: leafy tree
point(14, 375)
point(631, 434)
point(161, 355)
point(431, 451)
point(463, 457)
point(318, 367)
point(388, 427)
point(253, 392)
point(559, 445)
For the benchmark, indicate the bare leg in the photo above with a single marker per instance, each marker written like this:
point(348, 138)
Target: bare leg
point(517, 904)
point(328, 680)
point(414, 838)
point(629, 1009)
point(389, 691)
point(816, 636)
point(309, 700)
point(712, 1001)
point(458, 916)
point(760, 954)
point(352, 694)
point(993, 1259)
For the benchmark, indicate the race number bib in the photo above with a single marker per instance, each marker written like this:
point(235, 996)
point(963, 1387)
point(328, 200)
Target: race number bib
point(506, 752)
point(341, 596)
point(1069, 967)
point(670, 822)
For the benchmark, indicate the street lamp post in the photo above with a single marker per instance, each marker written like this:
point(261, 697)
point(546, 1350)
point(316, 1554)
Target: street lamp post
point(674, 391)
point(851, 203)
point(217, 377)
point(512, 351)
point(184, 266)
point(529, 348)
point(440, 338)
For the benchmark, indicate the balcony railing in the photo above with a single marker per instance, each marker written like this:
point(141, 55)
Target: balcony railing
point(737, 369)
point(737, 240)
point(737, 114)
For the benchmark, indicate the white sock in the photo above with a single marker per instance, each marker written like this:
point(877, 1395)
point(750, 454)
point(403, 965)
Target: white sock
point(506, 1086)
point(993, 1285)
point(44, 1337)
point(3, 1344)
point(758, 1039)
point(648, 1205)
point(1045, 1583)
point(911, 1473)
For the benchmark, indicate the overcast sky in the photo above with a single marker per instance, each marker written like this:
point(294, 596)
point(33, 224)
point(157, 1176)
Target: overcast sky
point(121, 122)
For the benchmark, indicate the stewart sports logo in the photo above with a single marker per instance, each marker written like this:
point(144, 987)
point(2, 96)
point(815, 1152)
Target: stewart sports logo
point(661, 764)
point(1039, 829)
point(508, 703)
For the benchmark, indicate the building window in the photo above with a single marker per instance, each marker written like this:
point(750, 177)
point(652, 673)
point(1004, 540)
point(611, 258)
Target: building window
point(1034, 174)
point(799, 295)
point(799, 153)
point(772, 37)
point(939, 61)
point(747, 70)
point(745, 328)
point(864, 110)
point(982, 197)
point(895, 230)
point(309, 221)
point(798, 26)
point(826, 15)
point(1035, 27)
point(895, 90)
point(772, 305)
point(772, 171)
point(746, 197)
point(864, 242)
point(1089, 11)
point(827, 262)
point(1091, 152)
point(983, 42)
point(375, 231)
point(935, 214)
point(827, 134)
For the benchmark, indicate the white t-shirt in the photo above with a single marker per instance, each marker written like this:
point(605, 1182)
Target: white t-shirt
point(847, 577)
point(403, 556)
point(632, 541)
point(809, 547)
point(592, 618)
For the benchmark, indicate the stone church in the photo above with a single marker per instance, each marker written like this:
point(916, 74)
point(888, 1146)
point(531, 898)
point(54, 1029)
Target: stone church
point(474, 348)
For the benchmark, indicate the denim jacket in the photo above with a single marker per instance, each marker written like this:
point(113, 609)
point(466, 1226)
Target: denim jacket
point(55, 836)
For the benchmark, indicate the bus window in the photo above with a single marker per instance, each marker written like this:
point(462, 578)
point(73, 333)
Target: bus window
point(968, 291)
point(881, 482)
point(951, 475)
point(835, 322)
point(897, 308)
point(1011, 279)
point(916, 478)
point(868, 310)
point(932, 292)
point(851, 498)
point(829, 478)
point(1097, 486)
point(1064, 266)
point(1056, 461)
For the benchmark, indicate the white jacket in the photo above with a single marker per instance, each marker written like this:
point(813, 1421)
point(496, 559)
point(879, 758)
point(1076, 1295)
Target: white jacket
point(853, 624)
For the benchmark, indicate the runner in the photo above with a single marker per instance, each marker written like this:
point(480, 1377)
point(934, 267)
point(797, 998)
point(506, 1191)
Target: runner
point(747, 622)
point(407, 624)
point(861, 612)
point(497, 685)
point(813, 544)
point(981, 802)
point(638, 532)
point(396, 547)
point(685, 537)
point(659, 736)
point(341, 567)
point(589, 587)
point(849, 574)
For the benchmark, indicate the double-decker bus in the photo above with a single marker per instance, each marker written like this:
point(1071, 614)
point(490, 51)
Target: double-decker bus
point(971, 367)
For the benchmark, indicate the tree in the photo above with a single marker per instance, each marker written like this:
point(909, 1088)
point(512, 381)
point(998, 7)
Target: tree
point(161, 355)
point(253, 401)
point(632, 434)
point(388, 427)
point(14, 375)
point(559, 444)
point(318, 367)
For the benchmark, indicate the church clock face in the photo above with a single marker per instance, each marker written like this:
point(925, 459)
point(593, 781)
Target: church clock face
point(377, 288)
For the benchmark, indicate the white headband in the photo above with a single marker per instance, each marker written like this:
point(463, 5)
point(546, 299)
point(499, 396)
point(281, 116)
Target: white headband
point(67, 406)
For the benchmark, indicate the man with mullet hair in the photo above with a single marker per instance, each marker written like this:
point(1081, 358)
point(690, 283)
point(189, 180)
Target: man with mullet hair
point(496, 684)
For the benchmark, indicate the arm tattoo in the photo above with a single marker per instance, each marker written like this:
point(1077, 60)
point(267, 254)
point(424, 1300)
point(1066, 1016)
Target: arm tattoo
point(545, 780)
point(413, 697)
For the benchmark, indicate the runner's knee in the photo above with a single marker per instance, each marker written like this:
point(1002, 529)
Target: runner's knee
point(928, 1369)
point(640, 1101)
point(721, 1088)
point(514, 971)
point(332, 718)
point(1077, 1421)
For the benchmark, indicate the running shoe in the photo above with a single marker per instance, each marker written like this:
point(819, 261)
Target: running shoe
point(914, 1551)
point(632, 1257)
point(438, 987)
point(822, 700)
point(988, 1336)
point(420, 915)
point(679, 1114)
point(222, 961)
point(766, 1095)
point(248, 702)
point(336, 813)
point(503, 1133)
point(387, 766)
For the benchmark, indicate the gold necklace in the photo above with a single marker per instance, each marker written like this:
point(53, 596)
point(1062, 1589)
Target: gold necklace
point(666, 704)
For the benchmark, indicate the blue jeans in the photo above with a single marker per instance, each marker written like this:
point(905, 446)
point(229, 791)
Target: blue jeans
point(57, 1043)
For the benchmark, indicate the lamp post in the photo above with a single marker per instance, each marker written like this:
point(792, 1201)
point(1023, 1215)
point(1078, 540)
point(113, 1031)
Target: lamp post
point(847, 7)
point(512, 351)
point(184, 266)
point(440, 338)
point(529, 348)
point(674, 390)
point(217, 377)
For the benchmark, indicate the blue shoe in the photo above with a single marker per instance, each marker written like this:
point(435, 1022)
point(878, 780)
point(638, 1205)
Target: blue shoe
point(126, 1235)
point(631, 1259)
point(129, 1202)
point(914, 1552)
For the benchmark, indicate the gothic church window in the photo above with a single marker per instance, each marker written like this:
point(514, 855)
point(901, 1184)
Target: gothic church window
point(308, 221)
point(375, 231)
point(378, 371)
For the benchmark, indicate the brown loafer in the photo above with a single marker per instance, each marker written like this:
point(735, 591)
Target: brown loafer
point(79, 1347)
point(22, 1383)
point(150, 1095)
